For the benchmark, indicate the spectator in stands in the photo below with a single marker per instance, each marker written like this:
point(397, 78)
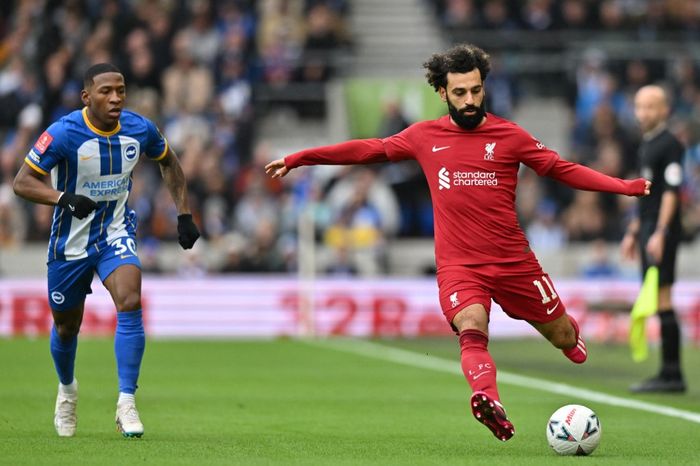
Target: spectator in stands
point(205, 38)
point(496, 16)
point(537, 15)
point(584, 220)
point(365, 187)
point(255, 207)
point(461, 14)
point(13, 219)
point(141, 67)
point(611, 16)
point(187, 85)
point(355, 236)
point(545, 233)
point(262, 252)
point(393, 120)
point(322, 39)
point(599, 263)
point(573, 14)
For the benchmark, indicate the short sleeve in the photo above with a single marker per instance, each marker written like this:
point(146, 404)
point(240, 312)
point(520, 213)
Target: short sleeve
point(398, 147)
point(156, 146)
point(46, 153)
point(673, 168)
point(533, 153)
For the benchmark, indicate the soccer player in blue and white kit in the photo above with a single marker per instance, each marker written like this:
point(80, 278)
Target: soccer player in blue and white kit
point(90, 154)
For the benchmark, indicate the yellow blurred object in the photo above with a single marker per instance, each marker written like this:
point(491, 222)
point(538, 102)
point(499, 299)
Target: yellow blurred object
point(645, 306)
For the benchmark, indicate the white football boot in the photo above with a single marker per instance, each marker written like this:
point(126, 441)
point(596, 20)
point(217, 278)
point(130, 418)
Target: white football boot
point(128, 421)
point(65, 418)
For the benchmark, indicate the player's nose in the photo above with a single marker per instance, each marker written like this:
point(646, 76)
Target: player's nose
point(115, 97)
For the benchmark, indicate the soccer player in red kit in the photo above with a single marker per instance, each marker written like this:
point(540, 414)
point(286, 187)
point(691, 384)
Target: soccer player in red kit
point(470, 159)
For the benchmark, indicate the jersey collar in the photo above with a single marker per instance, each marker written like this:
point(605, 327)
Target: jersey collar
point(98, 131)
point(651, 134)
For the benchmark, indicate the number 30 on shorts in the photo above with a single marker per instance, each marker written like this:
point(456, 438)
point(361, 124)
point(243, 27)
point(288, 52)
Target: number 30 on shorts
point(124, 245)
point(546, 298)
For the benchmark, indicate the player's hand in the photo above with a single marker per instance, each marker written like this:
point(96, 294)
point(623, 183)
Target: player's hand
point(276, 168)
point(78, 205)
point(628, 248)
point(187, 231)
point(640, 187)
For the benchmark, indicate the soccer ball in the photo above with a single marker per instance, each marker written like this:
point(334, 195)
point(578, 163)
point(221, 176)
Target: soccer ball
point(573, 430)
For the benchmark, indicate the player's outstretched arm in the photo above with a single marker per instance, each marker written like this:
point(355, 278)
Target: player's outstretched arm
point(29, 184)
point(354, 152)
point(581, 177)
point(174, 179)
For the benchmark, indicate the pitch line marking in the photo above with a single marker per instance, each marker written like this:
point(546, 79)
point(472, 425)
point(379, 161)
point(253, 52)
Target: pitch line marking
point(410, 358)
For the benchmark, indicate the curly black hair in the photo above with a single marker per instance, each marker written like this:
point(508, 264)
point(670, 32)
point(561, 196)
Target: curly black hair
point(461, 58)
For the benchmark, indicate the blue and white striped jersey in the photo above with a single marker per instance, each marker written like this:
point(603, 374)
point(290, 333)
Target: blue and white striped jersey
point(97, 164)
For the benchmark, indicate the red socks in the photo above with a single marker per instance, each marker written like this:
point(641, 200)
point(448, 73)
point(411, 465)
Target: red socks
point(477, 364)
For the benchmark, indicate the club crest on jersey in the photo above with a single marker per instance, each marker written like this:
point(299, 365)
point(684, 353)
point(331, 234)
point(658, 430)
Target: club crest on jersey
point(57, 297)
point(43, 142)
point(489, 148)
point(454, 300)
point(130, 152)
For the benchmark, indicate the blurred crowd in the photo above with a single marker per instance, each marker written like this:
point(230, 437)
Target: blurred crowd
point(646, 19)
point(193, 67)
point(196, 68)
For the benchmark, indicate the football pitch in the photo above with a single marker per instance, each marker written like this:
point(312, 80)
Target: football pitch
point(336, 402)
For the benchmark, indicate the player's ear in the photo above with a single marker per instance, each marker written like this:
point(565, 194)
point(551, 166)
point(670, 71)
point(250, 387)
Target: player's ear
point(85, 97)
point(443, 94)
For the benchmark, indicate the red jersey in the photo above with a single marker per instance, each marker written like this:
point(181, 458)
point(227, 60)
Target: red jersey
point(472, 176)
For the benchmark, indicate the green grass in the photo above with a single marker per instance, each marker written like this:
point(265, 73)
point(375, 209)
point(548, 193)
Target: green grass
point(287, 402)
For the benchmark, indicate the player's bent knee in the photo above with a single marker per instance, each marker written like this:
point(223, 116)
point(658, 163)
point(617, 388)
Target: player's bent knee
point(473, 317)
point(129, 302)
point(67, 331)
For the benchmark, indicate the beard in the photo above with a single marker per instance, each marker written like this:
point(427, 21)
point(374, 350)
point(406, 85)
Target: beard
point(467, 121)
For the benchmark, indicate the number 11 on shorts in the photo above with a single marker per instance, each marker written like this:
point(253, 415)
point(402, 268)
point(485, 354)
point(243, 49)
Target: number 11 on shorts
point(545, 297)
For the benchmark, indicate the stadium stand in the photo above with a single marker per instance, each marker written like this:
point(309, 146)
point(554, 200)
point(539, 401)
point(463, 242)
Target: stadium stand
point(213, 73)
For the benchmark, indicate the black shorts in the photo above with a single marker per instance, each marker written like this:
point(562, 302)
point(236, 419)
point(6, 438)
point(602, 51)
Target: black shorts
point(667, 267)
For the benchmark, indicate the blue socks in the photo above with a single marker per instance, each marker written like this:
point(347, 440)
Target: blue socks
point(129, 344)
point(63, 354)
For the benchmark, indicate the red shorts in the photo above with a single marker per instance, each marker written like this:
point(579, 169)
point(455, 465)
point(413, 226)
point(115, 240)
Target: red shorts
point(522, 290)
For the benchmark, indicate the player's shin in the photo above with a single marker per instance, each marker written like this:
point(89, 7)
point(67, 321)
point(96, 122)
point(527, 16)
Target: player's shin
point(129, 345)
point(63, 354)
point(477, 364)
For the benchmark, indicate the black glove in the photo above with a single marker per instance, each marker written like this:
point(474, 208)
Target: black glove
point(79, 206)
point(187, 232)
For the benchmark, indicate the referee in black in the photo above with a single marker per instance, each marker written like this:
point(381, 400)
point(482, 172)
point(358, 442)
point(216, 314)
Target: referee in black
point(655, 235)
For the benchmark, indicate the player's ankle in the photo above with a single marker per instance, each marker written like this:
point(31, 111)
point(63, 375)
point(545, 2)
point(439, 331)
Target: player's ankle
point(126, 398)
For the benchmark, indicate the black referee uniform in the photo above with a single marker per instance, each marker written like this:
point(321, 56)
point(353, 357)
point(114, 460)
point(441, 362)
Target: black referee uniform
point(661, 156)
